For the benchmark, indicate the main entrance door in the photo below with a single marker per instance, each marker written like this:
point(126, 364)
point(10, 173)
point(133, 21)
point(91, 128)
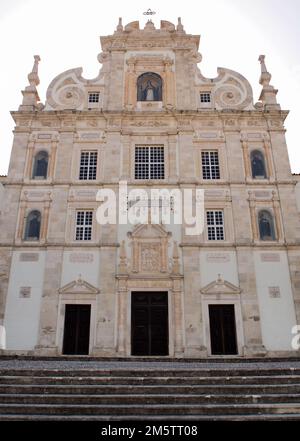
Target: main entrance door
point(222, 330)
point(149, 323)
point(77, 330)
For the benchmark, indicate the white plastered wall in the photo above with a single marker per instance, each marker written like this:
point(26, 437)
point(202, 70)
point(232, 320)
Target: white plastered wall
point(277, 314)
point(22, 314)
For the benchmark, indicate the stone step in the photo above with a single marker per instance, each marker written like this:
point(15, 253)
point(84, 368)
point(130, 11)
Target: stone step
point(137, 380)
point(188, 372)
point(46, 390)
point(147, 399)
point(156, 418)
point(59, 389)
point(145, 359)
point(150, 409)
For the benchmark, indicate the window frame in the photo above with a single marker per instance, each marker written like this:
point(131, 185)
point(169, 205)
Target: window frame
point(34, 176)
point(204, 94)
point(26, 237)
point(273, 225)
point(93, 94)
point(252, 153)
point(214, 169)
point(85, 230)
point(150, 165)
point(215, 227)
point(90, 168)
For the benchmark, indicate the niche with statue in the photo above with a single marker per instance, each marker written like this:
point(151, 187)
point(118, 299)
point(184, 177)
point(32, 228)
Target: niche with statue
point(149, 87)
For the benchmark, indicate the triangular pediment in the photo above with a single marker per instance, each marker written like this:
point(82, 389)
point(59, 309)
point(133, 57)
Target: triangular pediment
point(220, 286)
point(79, 286)
point(149, 231)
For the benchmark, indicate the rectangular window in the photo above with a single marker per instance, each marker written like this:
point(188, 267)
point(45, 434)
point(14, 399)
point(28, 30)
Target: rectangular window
point(149, 162)
point(94, 97)
point(215, 225)
point(210, 165)
point(205, 97)
point(84, 222)
point(88, 166)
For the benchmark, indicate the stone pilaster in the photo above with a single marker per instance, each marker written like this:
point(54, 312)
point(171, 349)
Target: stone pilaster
point(47, 343)
point(52, 158)
point(195, 344)
point(173, 171)
point(249, 303)
point(178, 308)
point(246, 159)
point(29, 158)
point(252, 205)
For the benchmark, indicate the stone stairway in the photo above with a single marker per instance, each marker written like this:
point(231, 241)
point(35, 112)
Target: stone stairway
point(102, 390)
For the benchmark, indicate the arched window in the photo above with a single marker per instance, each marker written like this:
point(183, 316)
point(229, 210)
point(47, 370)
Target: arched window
point(258, 165)
point(33, 226)
point(40, 166)
point(266, 225)
point(149, 87)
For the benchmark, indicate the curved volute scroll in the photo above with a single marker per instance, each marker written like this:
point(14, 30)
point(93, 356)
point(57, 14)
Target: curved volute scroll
point(230, 90)
point(69, 90)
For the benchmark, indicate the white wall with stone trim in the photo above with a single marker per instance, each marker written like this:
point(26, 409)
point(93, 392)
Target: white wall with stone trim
point(277, 310)
point(213, 263)
point(83, 263)
point(22, 315)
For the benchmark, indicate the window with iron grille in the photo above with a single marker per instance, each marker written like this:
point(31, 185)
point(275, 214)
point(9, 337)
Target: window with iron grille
point(210, 165)
point(205, 97)
point(94, 97)
point(88, 166)
point(149, 162)
point(215, 225)
point(84, 222)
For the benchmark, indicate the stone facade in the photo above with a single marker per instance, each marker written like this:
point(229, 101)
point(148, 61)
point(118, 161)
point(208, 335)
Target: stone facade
point(193, 115)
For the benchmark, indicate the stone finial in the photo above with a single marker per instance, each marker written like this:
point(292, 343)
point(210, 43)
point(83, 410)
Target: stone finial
point(120, 26)
point(265, 77)
point(262, 62)
point(79, 280)
point(179, 27)
point(268, 93)
point(30, 94)
point(220, 280)
point(149, 26)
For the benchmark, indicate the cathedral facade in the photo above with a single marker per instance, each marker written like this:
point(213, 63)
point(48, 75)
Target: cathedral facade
point(72, 285)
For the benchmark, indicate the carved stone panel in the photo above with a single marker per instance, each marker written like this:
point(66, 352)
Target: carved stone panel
point(150, 257)
point(149, 249)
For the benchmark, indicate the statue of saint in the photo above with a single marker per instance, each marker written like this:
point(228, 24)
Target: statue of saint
point(149, 91)
point(258, 166)
point(149, 87)
point(34, 227)
point(265, 228)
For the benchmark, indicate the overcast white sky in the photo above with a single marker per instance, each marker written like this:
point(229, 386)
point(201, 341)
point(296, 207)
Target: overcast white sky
point(233, 34)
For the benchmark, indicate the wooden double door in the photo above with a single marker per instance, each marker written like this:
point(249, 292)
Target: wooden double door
point(77, 330)
point(149, 324)
point(223, 330)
